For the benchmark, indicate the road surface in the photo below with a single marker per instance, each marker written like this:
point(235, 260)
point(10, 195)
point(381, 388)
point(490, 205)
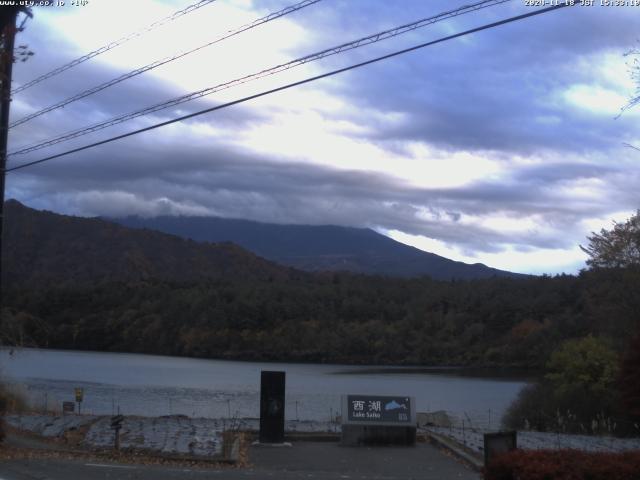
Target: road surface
point(304, 460)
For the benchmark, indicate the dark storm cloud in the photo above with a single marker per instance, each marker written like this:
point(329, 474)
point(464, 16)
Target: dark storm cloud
point(482, 95)
point(493, 93)
point(131, 95)
point(214, 180)
point(498, 90)
point(559, 172)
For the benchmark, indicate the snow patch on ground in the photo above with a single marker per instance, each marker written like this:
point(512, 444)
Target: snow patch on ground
point(171, 435)
point(543, 440)
point(49, 425)
point(176, 434)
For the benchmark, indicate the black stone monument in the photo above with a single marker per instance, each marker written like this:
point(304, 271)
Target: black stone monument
point(272, 407)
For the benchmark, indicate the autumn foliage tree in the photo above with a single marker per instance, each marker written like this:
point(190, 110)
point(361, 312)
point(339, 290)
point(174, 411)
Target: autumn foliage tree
point(615, 248)
point(585, 366)
point(618, 252)
point(576, 395)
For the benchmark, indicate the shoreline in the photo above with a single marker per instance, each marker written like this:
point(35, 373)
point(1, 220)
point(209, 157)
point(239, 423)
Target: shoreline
point(493, 372)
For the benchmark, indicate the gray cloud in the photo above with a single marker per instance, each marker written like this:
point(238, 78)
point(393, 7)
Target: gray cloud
point(491, 93)
point(487, 94)
point(131, 95)
point(215, 180)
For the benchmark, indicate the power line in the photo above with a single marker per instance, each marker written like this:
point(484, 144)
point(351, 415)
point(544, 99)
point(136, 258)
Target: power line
point(377, 37)
point(158, 63)
point(295, 84)
point(114, 44)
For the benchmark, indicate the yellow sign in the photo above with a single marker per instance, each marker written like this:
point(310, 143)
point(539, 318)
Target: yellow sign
point(79, 394)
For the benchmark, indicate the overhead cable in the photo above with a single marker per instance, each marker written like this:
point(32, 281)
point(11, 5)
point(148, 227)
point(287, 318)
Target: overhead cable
point(294, 84)
point(377, 37)
point(112, 45)
point(158, 63)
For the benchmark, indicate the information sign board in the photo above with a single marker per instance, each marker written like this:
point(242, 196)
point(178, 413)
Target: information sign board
point(68, 407)
point(378, 420)
point(378, 409)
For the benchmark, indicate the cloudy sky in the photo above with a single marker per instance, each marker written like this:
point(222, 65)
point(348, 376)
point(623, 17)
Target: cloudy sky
point(501, 147)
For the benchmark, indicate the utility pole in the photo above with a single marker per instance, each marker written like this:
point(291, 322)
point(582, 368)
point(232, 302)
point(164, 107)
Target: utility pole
point(8, 16)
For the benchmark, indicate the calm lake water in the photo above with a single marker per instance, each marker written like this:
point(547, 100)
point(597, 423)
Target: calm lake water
point(157, 385)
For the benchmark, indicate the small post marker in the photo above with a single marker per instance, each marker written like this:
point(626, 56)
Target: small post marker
point(79, 396)
point(499, 442)
point(68, 407)
point(116, 425)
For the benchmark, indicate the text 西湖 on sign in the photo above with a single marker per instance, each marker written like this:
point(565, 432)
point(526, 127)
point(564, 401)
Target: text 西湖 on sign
point(375, 409)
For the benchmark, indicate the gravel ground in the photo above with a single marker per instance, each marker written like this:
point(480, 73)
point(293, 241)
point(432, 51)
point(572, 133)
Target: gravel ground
point(49, 425)
point(541, 440)
point(175, 434)
point(201, 436)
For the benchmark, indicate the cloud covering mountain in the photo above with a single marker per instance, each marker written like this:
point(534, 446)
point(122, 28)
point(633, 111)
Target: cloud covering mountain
point(500, 148)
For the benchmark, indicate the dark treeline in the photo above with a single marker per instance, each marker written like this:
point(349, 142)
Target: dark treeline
point(333, 317)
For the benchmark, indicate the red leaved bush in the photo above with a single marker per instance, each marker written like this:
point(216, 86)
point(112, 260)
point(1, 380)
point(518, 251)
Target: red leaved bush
point(564, 465)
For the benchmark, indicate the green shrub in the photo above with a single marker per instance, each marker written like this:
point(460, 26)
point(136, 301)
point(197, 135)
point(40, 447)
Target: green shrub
point(577, 395)
point(532, 409)
point(564, 465)
point(586, 365)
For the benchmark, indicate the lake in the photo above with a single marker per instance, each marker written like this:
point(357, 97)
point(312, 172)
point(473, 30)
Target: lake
point(155, 385)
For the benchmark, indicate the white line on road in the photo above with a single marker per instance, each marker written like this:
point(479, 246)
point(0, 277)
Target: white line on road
point(102, 465)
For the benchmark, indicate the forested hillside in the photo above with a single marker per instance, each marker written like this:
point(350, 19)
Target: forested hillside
point(333, 318)
point(42, 248)
point(231, 304)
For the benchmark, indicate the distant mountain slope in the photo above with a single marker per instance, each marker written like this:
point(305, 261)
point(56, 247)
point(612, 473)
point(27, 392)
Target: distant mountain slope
point(44, 247)
point(316, 248)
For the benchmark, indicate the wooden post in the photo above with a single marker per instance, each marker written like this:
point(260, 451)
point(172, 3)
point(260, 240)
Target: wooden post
point(9, 15)
point(117, 439)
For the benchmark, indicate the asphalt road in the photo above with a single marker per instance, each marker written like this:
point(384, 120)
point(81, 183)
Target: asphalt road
point(304, 460)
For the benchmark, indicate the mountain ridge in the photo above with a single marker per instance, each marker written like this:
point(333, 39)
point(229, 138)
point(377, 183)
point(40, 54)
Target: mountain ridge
point(319, 248)
point(42, 247)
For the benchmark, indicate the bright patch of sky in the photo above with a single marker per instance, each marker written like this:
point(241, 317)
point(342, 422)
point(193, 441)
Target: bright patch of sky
point(500, 148)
